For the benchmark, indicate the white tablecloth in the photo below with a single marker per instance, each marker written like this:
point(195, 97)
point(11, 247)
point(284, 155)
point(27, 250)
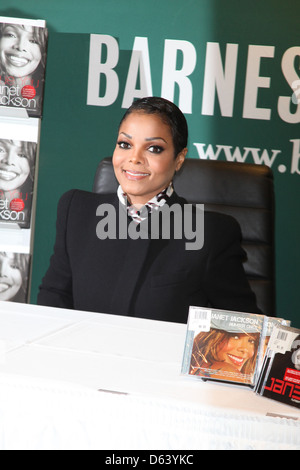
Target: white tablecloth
point(77, 380)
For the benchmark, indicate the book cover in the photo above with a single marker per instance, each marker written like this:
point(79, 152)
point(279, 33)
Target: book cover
point(223, 345)
point(18, 156)
point(23, 53)
point(280, 375)
point(14, 276)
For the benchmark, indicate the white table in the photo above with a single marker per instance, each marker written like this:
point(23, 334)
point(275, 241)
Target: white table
point(77, 380)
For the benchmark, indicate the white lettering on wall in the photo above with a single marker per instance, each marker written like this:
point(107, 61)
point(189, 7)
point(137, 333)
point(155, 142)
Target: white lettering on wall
point(254, 81)
point(235, 154)
point(99, 71)
point(217, 78)
point(252, 155)
point(296, 156)
point(139, 67)
point(171, 76)
point(284, 102)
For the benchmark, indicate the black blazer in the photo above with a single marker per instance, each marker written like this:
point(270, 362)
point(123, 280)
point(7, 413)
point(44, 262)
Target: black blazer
point(155, 279)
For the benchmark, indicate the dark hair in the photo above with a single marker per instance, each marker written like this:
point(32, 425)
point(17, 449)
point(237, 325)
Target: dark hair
point(169, 113)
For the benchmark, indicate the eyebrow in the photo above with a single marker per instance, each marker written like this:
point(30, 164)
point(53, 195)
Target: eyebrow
point(127, 135)
point(14, 27)
point(155, 138)
point(148, 139)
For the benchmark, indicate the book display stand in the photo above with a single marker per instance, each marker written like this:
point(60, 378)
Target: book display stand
point(23, 51)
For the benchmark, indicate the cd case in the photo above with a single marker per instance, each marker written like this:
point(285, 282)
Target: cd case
point(280, 374)
point(223, 345)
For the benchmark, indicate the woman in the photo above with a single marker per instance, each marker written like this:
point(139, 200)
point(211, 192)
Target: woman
point(22, 63)
point(296, 353)
point(17, 162)
point(14, 277)
point(149, 277)
point(225, 355)
point(17, 166)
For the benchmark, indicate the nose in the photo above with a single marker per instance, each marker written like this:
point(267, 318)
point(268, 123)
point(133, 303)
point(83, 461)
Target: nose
point(21, 43)
point(136, 156)
point(244, 345)
point(8, 158)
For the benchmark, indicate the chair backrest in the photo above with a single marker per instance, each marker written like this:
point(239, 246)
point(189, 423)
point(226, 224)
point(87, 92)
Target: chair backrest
point(244, 191)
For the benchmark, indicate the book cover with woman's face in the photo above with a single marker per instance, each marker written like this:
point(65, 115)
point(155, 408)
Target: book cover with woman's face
point(14, 273)
point(23, 52)
point(17, 169)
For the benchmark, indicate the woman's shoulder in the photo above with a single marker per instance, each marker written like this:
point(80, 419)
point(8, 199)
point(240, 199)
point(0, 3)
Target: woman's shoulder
point(75, 199)
point(81, 195)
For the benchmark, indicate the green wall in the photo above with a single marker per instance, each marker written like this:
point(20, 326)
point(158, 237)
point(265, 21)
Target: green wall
point(76, 136)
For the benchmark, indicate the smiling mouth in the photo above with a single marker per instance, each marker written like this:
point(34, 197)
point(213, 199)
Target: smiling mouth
point(135, 175)
point(238, 361)
point(4, 287)
point(17, 61)
point(7, 175)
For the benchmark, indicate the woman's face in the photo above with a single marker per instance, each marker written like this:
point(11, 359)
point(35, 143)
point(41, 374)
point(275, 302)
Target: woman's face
point(237, 350)
point(296, 359)
point(10, 277)
point(143, 159)
point(14, 165)
point(20, 54)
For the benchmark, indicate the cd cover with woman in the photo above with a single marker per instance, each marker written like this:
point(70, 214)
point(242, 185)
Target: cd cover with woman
point(279, 379)
point(223, 345)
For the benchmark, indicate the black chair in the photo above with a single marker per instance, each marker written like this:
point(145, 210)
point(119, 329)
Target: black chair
point(244, 191)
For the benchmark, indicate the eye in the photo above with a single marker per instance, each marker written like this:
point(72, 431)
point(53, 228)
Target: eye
point(123, 145)
point(2, 152)
point(156, 149)
point(34, 41)
point(9, 35)
point(14, 266)
point(234, 336)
